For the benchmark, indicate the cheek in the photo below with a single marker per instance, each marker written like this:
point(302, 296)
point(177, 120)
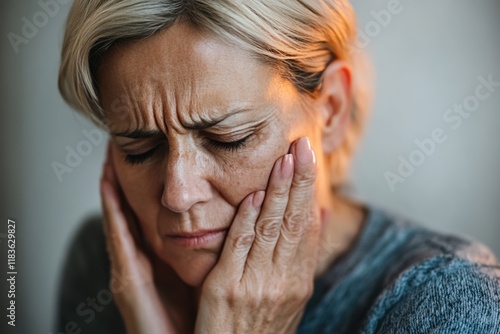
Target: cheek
point(249, 170)
point(138, 185)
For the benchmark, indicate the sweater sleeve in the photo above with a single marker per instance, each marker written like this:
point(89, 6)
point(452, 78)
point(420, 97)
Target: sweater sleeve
point(443, 294)
point(85, 302)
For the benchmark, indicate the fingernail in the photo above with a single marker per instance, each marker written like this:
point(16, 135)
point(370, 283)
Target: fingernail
point(305, 154)
point(258, 198)
point(287, 166)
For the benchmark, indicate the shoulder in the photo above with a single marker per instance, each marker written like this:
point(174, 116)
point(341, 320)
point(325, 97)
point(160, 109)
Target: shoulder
point(86, 258)
point(399, 275)
point(85, 300)
point(89, 237)
point(443, 292)
point(407, 244)
point(439, 282)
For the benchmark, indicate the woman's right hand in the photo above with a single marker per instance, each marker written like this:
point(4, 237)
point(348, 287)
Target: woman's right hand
point(144, 305)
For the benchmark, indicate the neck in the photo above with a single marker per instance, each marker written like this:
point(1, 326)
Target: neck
point(344, 220)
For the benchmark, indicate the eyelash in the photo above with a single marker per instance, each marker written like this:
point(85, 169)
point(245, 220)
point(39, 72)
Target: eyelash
point(232, 146)
point(136, 159)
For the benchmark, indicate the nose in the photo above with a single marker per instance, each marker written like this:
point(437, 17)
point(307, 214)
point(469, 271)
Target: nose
point(185, 182)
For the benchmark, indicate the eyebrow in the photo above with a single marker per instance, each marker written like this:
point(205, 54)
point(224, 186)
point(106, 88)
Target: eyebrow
point(198, 125)
point(138, 134)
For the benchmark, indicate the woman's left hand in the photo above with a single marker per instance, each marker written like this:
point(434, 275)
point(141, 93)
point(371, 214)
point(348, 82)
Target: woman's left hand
point(265, 274)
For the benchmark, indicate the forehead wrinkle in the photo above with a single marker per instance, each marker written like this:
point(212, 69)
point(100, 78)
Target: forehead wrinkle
point(146, 108)
point(183, 106)
point(168, 112)
point(133, 108)
point(192, 92)
point(175, 110)
point(143, 104)
point(174, 76)
point(158, 110)
point(193, 97)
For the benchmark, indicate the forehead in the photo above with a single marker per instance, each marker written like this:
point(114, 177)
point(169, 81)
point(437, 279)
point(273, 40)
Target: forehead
point(183, 70)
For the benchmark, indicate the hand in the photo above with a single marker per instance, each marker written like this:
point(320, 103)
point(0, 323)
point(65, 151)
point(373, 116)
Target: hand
point(145, 306)
point(265, 274)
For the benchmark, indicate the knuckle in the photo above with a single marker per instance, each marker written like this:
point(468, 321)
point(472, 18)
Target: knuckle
point(280, 193)
point(234, 295)
point(308, 264)
point(301, 291)
point(305, 178)
point(304, 292)
point(295, 222)
point(215, 292)
point(243, 241)
point(253, 302)
point(269, 229)
point(246, 215)
point(313, 224)
point(275, 296)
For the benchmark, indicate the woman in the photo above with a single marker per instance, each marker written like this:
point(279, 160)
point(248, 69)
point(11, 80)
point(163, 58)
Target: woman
point(231, 126)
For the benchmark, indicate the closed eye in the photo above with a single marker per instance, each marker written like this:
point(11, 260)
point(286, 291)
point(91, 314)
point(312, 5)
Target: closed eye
point(135, 159)
point(232, 146)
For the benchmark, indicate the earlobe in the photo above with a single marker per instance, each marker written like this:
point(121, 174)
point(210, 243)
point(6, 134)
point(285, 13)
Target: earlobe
point(336, 104)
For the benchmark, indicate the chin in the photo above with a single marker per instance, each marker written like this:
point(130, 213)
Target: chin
point(194, 270)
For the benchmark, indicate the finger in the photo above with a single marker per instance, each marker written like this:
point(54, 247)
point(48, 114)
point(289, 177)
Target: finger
point(299, 215)
point(110, 175)
point(120, 242)
point(105, 176)
point(241, 236)
point(110, 172)
point(307, 254)
point(268, 226)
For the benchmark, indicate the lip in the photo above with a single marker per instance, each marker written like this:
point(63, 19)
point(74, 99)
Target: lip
point(198, 239)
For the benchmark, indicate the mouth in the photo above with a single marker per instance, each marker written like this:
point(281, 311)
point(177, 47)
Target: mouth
point(198, 239)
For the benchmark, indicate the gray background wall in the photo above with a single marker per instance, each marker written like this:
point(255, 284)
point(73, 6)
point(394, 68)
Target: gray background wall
point(427, 57)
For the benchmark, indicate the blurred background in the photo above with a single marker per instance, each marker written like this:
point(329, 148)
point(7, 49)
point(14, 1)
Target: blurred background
point(429, 58)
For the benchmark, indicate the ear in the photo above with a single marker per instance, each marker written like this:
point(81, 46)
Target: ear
point(335, 104)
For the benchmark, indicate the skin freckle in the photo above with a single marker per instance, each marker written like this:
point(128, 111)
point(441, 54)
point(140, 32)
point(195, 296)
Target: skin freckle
point(190, 185)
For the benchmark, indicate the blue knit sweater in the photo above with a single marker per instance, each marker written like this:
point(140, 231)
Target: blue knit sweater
point(397, 278)
point(401, 278)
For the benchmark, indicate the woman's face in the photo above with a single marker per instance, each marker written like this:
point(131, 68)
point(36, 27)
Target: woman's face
point(173, 102)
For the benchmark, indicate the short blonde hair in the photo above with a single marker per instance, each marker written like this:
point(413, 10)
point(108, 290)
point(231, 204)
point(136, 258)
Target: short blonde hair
point(297, 37)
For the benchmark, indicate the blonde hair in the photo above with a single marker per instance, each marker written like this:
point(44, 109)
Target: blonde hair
point(297, 37)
